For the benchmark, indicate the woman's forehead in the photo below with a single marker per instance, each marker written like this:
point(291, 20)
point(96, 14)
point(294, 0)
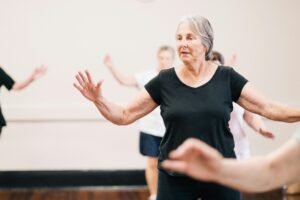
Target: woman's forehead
point(185, 27)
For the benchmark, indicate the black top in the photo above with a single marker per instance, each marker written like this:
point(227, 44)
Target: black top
point(8, 82)
point(201, 112)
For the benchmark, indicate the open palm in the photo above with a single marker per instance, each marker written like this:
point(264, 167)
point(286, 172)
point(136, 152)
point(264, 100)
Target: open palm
point(87, 87)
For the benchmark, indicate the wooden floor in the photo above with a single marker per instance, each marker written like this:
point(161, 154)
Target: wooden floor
point(273, 195)
point(110, 193)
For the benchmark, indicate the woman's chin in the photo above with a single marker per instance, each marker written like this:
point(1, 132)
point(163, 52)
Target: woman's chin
point(185, 59)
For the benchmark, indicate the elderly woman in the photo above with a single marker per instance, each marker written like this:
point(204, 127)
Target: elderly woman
point(195, 101)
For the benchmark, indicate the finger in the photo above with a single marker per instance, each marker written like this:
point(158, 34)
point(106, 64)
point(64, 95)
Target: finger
point(177, 166)
point(185, 152)
point(82, 84)
point(269, 135)
point(186, 148)
point(106, 58)
point(83, 78)
point(179, 153)
point(266, 133)
point(43, 70)
point(78, 87)
point(206, 152)
point(89, 76)
point(195, 147)
point(182, 150)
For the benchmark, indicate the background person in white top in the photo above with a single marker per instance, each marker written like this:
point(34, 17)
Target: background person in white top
point(238, 116)
point(151, 126)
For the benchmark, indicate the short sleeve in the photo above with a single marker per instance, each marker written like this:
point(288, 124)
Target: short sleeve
point(297, 135)
point(237, 83)
point(153, 88)
point(6, 80)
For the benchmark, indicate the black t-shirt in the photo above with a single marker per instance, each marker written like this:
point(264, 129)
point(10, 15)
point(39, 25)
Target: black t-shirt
point(201, 112)
point(8, 82)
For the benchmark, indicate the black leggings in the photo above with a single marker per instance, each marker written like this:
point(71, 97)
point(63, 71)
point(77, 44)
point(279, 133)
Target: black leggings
point(185, 188)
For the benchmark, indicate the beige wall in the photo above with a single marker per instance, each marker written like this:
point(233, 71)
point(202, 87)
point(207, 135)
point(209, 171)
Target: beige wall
point(70, 35)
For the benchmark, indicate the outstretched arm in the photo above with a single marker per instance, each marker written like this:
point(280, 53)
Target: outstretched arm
point(141, 105)
point(202, 162)
point(36, 74)
point(252, 100)
point(262, 174)
point(123, 79)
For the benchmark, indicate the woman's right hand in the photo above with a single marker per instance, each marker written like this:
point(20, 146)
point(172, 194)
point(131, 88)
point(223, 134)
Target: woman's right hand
point(87, 87)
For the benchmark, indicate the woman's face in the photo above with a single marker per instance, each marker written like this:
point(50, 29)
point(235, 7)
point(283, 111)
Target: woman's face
point(165, 59)
point(189, 44)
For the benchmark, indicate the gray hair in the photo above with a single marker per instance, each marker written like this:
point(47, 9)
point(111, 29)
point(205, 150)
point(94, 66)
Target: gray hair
point(167, 48)
point(201, 27)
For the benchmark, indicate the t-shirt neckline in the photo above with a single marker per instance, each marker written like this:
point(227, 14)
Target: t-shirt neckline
point(200, 86)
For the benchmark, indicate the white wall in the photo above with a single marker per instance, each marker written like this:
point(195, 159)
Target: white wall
point(69, 35)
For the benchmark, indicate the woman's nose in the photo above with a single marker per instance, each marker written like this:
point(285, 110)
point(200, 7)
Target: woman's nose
point(184, 43)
